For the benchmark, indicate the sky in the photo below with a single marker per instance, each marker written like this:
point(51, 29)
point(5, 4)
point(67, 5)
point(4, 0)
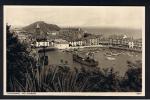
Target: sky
point(73, 16)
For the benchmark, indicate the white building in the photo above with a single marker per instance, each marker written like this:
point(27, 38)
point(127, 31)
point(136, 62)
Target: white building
point(42, 44)
point(53, 33)
point(61, 44)
point(131, 44)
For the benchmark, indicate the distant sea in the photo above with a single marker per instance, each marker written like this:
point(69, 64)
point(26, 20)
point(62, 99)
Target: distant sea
point(135, 33)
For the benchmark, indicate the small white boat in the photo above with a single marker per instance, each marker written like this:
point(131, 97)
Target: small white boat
point(112, 54)
point(108, 54)
point(110, 58)
point(116, 54)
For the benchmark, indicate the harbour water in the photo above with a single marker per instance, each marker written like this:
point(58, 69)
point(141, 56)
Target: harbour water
point(118, 61)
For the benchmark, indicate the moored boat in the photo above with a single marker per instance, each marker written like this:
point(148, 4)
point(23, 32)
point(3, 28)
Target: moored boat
point(111, 54)
point(110, 58)
point(85, 61)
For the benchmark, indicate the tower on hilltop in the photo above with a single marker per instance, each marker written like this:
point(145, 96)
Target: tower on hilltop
point(37, 30)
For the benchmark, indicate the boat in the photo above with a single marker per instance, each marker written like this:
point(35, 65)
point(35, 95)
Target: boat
point(112, 54)
point(85, 61)
point(115, 54)
point(110, 58)
point(109, 54)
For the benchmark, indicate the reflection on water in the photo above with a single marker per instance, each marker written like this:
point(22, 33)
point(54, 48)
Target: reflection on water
point(119, 64)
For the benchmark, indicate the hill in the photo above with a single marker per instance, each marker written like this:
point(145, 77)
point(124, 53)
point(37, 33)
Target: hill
point(44, 27)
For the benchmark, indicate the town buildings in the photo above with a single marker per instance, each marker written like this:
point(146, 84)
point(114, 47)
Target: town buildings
point(71, 34)
point(61, 44)
point(112, 41)
point(74, 37)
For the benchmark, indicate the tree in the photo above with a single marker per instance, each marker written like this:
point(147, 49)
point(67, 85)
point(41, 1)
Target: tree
point(133, 77)
point(19, 61)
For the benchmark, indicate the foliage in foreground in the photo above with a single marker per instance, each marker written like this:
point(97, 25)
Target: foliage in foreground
point(56, 79)
point(18, 60)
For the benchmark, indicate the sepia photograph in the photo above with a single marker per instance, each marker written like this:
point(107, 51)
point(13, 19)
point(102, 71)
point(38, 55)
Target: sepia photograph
point(74, 50)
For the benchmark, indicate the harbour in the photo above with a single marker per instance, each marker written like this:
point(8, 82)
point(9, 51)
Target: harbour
point(118, 60)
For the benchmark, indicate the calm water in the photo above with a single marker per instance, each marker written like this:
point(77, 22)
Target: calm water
point(119, 64)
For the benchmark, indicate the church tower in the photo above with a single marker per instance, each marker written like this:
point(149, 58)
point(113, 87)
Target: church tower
point(37, 30)
point(39, 35)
